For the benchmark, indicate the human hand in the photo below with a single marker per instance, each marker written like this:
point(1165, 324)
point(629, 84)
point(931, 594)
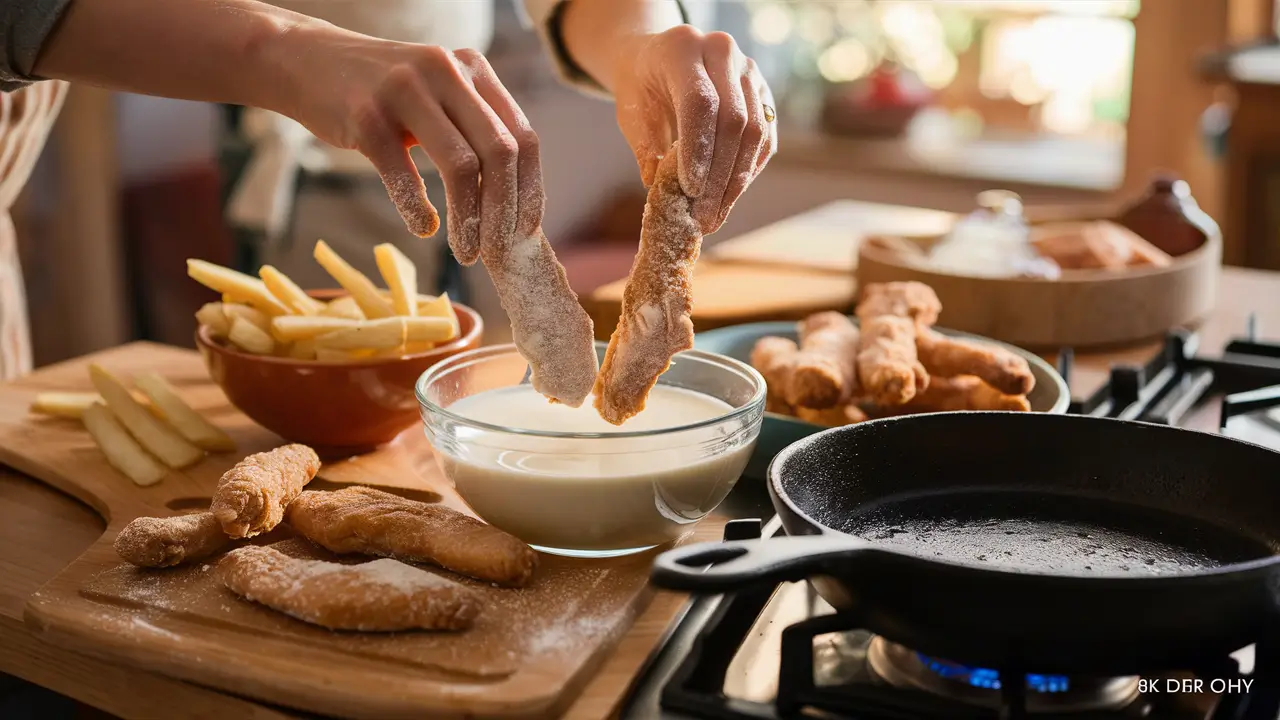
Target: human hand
point(700, 91)
point(382, 98)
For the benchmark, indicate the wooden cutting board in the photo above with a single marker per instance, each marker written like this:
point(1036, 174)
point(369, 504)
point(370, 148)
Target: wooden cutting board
point(531, 655)
point(826, 239)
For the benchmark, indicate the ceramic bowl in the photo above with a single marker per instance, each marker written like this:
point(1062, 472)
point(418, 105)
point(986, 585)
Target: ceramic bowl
point(338, 408)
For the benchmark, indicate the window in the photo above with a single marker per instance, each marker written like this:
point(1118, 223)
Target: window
point(1035, 67)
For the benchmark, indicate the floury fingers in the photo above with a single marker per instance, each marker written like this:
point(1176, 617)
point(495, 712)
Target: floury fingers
point(549, 327)
point(655, 323)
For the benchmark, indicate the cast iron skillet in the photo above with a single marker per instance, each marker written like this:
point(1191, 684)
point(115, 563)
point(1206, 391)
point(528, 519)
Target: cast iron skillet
point(1022, 541)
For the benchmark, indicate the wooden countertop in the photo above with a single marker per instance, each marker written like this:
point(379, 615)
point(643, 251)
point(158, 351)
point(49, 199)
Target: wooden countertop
point(41, 530)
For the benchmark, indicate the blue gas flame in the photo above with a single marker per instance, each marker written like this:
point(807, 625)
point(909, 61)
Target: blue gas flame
point(990, 679)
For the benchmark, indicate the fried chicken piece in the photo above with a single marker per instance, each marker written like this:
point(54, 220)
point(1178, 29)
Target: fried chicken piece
point(251, 497)
point(165, 542)
point(1002, 369)
point(888, 368)
point(363, 520)
point(832, 417)
point(913, 300)
point(826, 369)
point(657, 302)
point(383, 595)
point(965, 392)
point(774, 358)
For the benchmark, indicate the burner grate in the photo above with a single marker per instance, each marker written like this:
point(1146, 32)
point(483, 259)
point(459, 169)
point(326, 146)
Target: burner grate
point(1177, 378)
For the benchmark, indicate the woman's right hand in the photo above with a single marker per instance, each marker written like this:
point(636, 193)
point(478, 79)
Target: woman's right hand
point(382, 98)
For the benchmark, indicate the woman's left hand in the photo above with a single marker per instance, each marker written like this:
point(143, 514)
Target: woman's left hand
point(698, 91)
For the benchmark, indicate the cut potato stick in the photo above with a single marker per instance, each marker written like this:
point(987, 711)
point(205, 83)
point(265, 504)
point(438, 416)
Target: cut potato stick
point(383, 334)
point(344, 307)
point(72, 405)
point(366, 295)
point(236, 284)
point(401, 277)
point(258, 318)
point(155, 436)
point(250, 338)
point(387, 334)
point(287, 291)
point(122, 451)
point(428, 329)
point(181, 416)
point(64, 404)
point(213, 316)
point(300, 327)
point(440, 307)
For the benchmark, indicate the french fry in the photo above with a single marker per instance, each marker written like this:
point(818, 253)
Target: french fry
point(300, 327)
point(387, 334)
point(287, 291)
point(152, 434)
point(181, 416)
point(122, 451)
point(72, 405)
point(250, 338)
point(401, 277)
point(64, 404)
point(440, 307)
point(367, 335)
point(427, 329)
point(239, 286)
point(366, 295)
point(256, 317)
point(212, 316)
point(344, 307)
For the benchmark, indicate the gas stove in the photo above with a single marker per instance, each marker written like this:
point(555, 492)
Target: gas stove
point(781, 652)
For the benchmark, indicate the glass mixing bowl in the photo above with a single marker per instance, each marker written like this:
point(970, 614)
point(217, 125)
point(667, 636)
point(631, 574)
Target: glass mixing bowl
point(592, 494)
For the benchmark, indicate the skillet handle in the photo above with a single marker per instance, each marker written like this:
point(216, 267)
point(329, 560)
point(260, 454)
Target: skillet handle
point(737, 564)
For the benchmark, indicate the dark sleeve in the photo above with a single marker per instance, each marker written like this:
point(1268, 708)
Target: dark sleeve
point(544, 16)
point(24, 27)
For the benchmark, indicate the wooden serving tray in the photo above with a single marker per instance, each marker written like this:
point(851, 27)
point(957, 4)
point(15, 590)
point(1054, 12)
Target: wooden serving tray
point(530, 655)
point(1085, 308)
